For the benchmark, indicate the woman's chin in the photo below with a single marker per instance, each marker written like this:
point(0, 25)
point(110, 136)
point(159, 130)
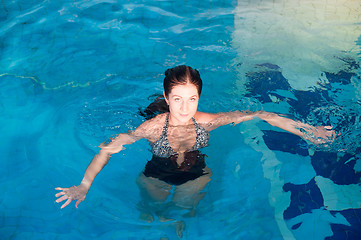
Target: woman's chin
point(182, 120)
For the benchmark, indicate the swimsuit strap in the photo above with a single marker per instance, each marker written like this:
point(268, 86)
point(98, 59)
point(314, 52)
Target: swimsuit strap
point(166, 124)
point(195, 123)
point(202, 136)
point(199, 129)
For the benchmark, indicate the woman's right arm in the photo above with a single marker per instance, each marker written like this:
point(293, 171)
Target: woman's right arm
point(79, 192)
point(96, 165)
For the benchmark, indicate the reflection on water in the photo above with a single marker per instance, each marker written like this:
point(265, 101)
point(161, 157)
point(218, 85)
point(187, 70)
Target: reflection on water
point(302, 57)
point(303, 38)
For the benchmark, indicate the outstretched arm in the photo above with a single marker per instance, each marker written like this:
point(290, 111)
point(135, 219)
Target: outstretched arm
point(316, 135)
point(96, 165)
point(78, 193)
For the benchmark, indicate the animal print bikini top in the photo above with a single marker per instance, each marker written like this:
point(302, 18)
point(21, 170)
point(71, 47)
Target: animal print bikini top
point(162, 148)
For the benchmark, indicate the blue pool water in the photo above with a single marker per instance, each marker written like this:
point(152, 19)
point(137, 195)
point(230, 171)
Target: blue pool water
point(74, 73)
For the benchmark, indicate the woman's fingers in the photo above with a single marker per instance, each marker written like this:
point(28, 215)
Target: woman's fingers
point(61, 199)
point(77, 203)
point(66, 203)
point(330, 134)
point(59, 194)
point(74, 193)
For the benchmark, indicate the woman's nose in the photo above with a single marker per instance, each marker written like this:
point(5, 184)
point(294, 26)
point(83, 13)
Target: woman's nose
point(184, 107)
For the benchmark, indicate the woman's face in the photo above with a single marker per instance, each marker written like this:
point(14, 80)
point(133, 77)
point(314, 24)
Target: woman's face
point(183, 103)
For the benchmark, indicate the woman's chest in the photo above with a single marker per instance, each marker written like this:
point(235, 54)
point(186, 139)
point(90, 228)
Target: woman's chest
point(182, 139)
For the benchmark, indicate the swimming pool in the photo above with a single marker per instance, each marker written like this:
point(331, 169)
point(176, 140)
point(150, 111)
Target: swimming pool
point(74, 73)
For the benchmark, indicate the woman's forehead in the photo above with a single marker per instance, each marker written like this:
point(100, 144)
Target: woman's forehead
point(184, 89)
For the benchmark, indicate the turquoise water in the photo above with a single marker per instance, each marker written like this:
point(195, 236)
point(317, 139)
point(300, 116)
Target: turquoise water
point(74, 73)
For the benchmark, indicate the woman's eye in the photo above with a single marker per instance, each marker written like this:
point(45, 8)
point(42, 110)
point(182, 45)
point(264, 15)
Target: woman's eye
point(177, 99)
point(193, 99)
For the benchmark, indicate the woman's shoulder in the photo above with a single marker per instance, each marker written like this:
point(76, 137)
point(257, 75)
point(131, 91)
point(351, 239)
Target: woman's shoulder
point(152, 128)
point(203, 117)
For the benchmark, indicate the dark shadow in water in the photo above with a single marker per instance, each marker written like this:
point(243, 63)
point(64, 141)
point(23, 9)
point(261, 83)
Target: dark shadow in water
point(304, 198)
point(337, 168)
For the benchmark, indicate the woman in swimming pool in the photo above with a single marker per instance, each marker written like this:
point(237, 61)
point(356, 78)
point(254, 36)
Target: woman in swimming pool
point(175, 138)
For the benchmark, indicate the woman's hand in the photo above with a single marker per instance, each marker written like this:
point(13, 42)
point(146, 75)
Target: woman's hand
point(320, 134)
point(73, 193)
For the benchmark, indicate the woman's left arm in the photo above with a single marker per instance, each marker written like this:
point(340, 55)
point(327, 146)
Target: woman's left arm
point(317, 135)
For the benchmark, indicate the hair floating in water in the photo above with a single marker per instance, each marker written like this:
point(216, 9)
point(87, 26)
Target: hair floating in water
point(158, 106)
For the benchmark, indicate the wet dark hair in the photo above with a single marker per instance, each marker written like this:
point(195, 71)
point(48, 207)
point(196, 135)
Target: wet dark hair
point(179, 75)
point(158, 106)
